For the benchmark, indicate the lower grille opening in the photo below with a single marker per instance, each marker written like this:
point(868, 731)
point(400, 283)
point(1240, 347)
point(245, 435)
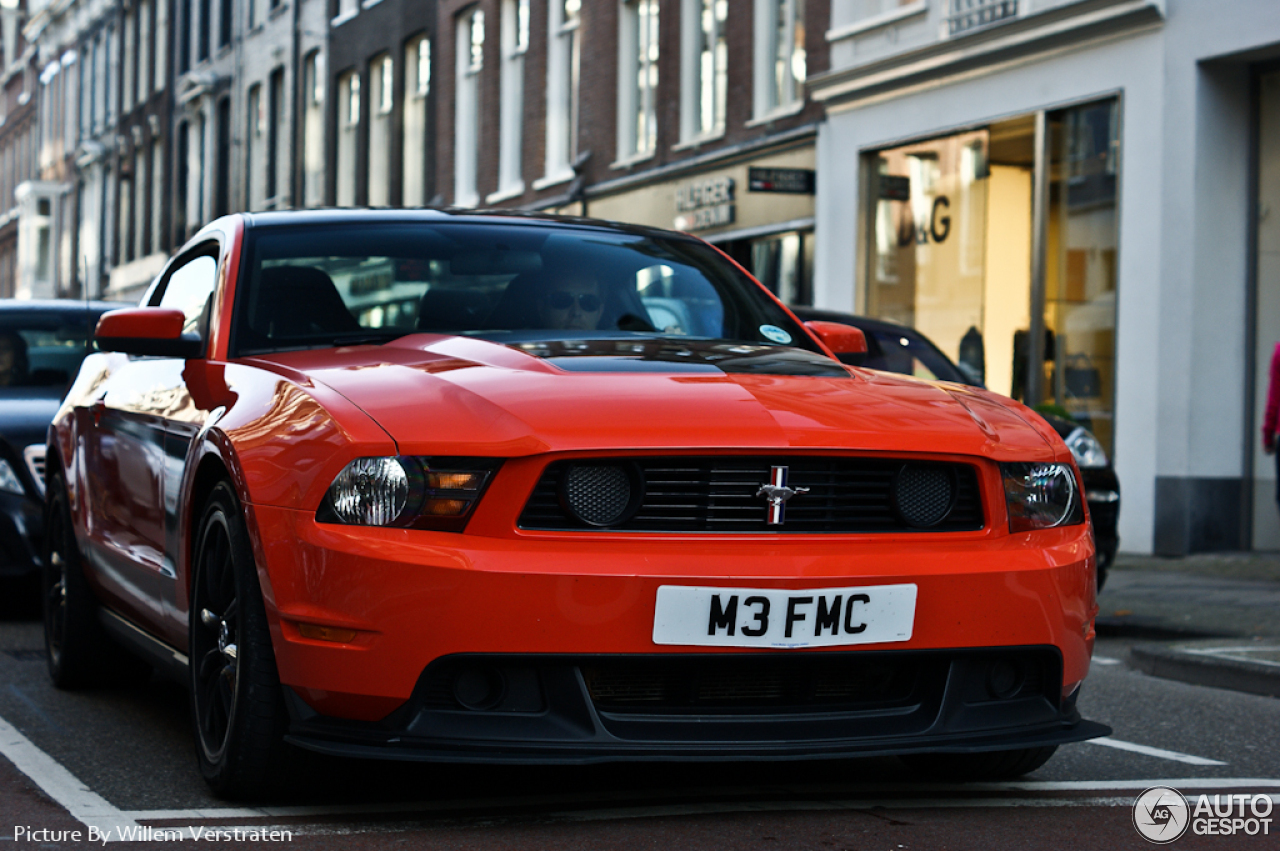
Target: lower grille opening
point(732, 686)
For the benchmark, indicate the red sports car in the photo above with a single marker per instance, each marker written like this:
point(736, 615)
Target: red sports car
point(501, 488)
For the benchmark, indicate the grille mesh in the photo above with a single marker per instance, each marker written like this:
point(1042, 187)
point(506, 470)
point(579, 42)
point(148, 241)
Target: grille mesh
point(699, 494)
point(595, 494)
point(923, 494)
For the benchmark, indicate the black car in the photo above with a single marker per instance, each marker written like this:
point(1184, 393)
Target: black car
point(896, 348)
point(41, 346)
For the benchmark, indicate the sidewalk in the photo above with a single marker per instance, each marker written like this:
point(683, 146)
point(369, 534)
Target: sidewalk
point(1216, 616)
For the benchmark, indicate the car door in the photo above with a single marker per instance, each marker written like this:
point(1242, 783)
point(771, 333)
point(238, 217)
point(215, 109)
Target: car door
point(142, 421)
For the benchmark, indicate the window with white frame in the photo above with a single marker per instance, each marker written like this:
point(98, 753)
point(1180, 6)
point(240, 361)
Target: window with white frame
point(515, 43)
point(255, 123)
point(466, 131)
point(144, 50)
point(382, 103)
point(313, 130)
point(140, 200)
point(564, 62)
point(637, 79)
point(417, 85)
point(347, 8)
point(780, 57)
point(124, 218)
point(159, 66)
point(157, 194)
point(348, 133)
point(130, 54)
point(704, 63)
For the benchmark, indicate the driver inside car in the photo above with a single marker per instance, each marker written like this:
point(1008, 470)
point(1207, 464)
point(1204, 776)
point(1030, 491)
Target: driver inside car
point(571, 302)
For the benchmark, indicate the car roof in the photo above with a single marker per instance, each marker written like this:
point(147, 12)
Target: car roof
point(391, 215)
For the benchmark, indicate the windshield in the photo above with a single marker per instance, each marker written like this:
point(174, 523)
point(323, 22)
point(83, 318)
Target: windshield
point(320, 286)
point(43, 348)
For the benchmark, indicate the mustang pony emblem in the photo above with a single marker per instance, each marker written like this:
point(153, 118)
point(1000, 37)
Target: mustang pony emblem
point(778, 493)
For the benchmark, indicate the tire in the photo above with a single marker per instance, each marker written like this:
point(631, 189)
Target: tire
point(78, 650)
point(984, 765)
point(236, 702)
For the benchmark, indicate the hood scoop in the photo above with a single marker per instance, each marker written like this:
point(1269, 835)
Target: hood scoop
point(696, 357)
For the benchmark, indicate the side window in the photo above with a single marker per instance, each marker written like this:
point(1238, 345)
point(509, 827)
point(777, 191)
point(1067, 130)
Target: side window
point(190, 289)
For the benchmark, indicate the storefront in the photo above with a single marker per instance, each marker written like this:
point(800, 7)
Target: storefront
point(759, 210)
point(1076, 201)
point(956, 222)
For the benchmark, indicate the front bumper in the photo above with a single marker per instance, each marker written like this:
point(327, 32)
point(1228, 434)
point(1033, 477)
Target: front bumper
point(550, 709)
point(21, 535)
point(402, 600)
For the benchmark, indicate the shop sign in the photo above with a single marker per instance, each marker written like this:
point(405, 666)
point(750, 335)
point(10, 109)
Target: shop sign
point(797, 181)
point(704, 204)
point(895, 188)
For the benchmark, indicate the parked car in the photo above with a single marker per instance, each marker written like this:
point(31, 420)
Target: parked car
point(488, 487)
point(898, 348)
point(41, 346)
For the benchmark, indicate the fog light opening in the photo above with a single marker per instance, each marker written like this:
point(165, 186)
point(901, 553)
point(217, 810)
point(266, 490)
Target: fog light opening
point(1005, 678)
point(479, 689)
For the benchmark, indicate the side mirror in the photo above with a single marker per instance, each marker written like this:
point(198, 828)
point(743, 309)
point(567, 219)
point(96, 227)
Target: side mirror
point(155, 331)
point(841, 339)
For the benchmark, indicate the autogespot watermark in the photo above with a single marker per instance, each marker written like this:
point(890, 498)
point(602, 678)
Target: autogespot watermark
point(1161, 814)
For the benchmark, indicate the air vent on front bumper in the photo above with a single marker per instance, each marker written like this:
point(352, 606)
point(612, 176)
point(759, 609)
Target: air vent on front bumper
point(723, 494)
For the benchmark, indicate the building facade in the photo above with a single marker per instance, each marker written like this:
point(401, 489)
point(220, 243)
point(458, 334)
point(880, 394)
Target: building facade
point(690, 114)
point(17, 148)
point(1065, 195)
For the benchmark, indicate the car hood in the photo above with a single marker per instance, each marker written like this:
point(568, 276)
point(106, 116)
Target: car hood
point(465, 396)
point(25, 414)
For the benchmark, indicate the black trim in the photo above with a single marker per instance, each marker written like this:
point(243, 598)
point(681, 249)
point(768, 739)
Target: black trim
point(165, 658)
point(948, 700)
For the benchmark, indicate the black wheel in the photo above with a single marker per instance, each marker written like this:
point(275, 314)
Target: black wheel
point(236, 703)
point(79, 651)
point(985, 765)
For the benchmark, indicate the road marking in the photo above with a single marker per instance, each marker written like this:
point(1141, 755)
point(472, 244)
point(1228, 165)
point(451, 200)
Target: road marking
point(70, 793)
point(1105, 660)
point(1147, 750)
point(91, 809)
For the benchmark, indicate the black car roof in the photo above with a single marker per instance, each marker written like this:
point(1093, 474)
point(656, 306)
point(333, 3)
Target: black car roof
point(63, 305)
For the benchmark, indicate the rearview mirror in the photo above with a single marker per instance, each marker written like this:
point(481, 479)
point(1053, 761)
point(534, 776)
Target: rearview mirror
point(841, 339)
point(154, 331)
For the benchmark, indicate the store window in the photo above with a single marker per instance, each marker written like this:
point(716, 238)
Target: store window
point(783, 262)
point(1024, 300)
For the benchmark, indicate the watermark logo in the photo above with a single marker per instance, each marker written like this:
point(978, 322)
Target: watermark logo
point(1161, 814)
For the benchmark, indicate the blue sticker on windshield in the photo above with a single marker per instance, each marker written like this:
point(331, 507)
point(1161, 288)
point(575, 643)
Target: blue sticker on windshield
point(776, 334)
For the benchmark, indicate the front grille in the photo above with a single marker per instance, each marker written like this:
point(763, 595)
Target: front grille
point(719, 494)
point(34, 456)
point(751, 684)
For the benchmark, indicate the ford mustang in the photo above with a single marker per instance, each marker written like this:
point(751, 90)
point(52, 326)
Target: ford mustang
point(500, 488)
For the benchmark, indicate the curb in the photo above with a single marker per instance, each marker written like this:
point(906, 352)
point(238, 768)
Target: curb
point(1175, 663)
point(1127, 626)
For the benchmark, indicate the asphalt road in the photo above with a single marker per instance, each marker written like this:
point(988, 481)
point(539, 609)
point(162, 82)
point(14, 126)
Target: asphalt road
point(122, 760)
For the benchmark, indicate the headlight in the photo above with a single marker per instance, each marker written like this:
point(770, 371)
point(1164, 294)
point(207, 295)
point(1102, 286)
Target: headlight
point(421, 493)
point(1087, 449)
point(9, 480)
point(1041, 496)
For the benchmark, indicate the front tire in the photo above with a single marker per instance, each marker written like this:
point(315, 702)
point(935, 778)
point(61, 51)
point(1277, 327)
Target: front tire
point(984, 765)
point(236, 703)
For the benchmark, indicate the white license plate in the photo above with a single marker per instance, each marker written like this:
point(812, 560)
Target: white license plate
point(755, 617)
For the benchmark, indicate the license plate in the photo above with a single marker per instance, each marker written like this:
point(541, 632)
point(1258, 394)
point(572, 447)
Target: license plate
point(755, 617)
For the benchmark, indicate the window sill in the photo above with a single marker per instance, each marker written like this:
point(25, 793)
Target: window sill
point(277, 11)
point(505, 194)
point(698, 141)
point(778, 113)
point(369, 4)
point(552, 180)
point(875, 22)
point(633, 160)
point(343, 18)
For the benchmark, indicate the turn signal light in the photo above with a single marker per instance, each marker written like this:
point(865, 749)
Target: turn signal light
point(326, 633)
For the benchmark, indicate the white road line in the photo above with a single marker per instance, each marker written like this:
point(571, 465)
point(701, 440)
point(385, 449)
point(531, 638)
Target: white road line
point(115, 824)
point(1105, 660)
point(75, 797)
point(1147, 750)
